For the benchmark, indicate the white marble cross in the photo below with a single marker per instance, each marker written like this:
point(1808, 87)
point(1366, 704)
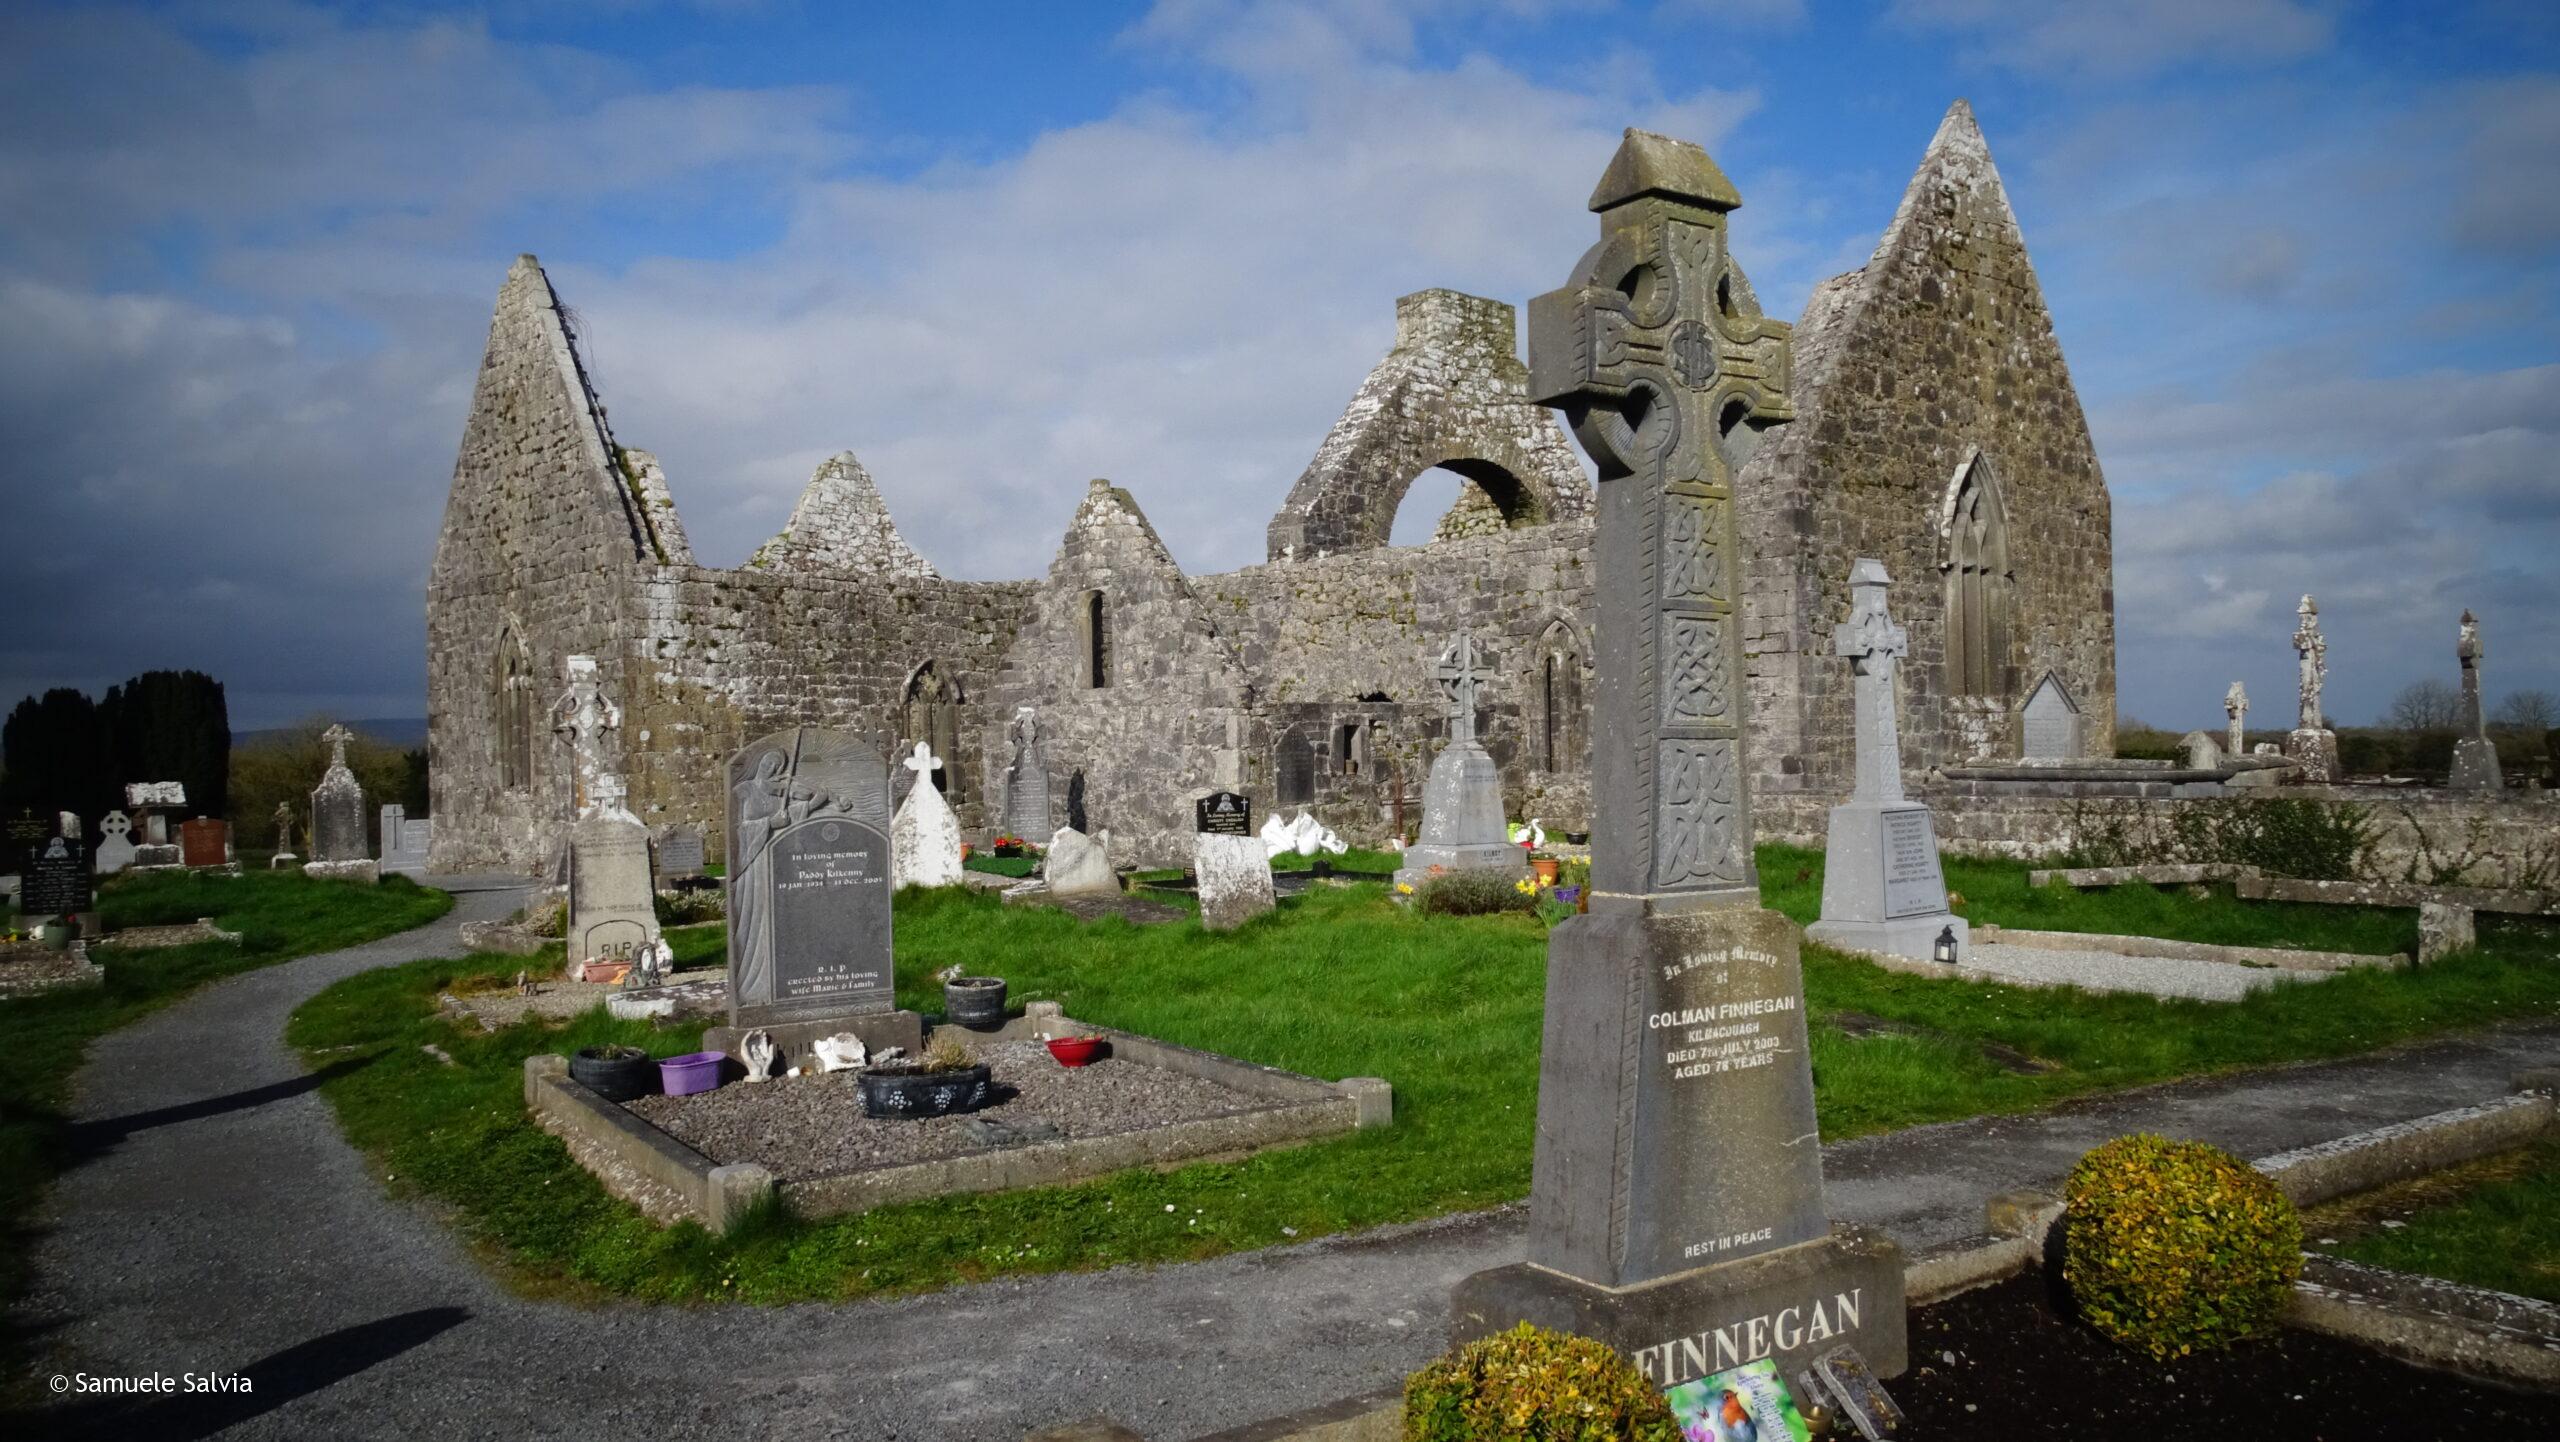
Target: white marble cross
point(923, 763)
point(1874, 645)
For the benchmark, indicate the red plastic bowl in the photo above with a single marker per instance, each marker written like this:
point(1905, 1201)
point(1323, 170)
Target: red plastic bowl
point(1075, 1050)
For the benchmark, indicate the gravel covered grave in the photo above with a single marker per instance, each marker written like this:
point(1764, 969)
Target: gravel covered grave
point(808, 1127)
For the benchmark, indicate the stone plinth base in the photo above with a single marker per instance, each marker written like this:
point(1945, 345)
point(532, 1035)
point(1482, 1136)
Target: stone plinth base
point(1495, 856)
point(2475, 766)
point(1793, 1304)
point(796, 1041)
point(1914, 938)
point(1882, 889)
point(342, 870)
point(1462, 826)
point(2315, 749)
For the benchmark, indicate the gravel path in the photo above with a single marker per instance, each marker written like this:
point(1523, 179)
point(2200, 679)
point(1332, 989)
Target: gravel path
point(2112, 971)
point(805, 1127)
point(217, 1222)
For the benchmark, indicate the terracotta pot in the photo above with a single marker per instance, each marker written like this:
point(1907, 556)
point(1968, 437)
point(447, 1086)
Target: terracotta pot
point(1547, 867)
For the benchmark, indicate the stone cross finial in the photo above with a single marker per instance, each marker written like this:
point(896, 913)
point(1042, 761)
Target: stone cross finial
point(1658, 356)
point(1874, 644)
point(2235, 704)
point(923, 762)
point(581, 717)
point(337, 736)
point(2313, 649)
point(284, 826)
point(1456, 673)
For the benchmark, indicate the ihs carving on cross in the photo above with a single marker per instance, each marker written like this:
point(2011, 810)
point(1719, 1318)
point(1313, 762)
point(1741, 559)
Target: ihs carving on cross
point(1457, 676)
point(1659, 357)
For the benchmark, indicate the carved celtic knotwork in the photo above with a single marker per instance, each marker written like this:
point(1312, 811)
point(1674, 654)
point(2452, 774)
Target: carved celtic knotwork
point(1696, 833)
point(1698, 672)
point(1692, 548)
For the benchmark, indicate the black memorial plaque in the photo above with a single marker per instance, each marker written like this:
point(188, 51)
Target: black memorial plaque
point(56, 881)
point(1223, 813)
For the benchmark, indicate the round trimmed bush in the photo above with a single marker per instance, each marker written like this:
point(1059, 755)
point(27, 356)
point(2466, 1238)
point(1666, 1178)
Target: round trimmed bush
point(1536, 1385)
point(2176, 1247)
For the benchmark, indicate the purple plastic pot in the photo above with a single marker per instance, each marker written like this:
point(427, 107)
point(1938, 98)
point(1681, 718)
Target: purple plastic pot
point(686, 1075)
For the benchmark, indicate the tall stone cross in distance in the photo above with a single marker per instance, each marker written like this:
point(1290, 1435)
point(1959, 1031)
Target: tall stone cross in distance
point(1874, 644)
point(337, 736)
point(2235, 704)
point(2313, 649)
point(1457, 676)
point(581, 716)
point(2469, 650)
point(1659, 357)
point(2475, 756)
point(1675, 1198)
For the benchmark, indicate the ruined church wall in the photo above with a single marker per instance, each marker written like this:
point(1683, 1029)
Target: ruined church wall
point(1320, 635)
point(721, 657)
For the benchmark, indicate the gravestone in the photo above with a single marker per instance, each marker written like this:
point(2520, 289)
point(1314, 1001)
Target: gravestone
point(583, 717)
point(1462, 822)
point(150, 804)
point(115, 847)
point(2312, 744)
point(205, 842)
point(2203, 751)
point(1079, 865)
point(57, 881)
point(405, 842)
point(284, 835)
point(613, 910)
point(2235, 705)
point(1026, 780)
point(1222, 813)
point(1882, 889)
point(924, 837)
point(1235, 879)
point(1675, 1206)
point(338, 847)
point(2475, 756)
point(680, 853)
point(808, 887)
point(24, 834)
point(1293, 771)
point(2049, 724)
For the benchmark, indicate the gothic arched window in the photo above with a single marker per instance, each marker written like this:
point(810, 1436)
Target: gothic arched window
point(1094, 620)
point(1974, 555)
point(932, 716)
point(1556, 685)
point(512, 701)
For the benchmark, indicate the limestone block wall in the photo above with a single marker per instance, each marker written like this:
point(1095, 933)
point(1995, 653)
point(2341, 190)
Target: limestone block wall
point(2426, 835)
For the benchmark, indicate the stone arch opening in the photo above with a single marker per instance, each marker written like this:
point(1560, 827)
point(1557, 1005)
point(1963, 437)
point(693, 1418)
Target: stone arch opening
point(1456, 498)
point(1973, 557)
point(931, 713)
point(1093, 628)
point(511, 699)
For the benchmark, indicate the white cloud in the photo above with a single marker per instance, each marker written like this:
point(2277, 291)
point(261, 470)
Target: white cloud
point(2124, 37)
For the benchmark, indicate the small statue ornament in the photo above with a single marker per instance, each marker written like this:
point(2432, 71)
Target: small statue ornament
point(757, 1051)
point(841, 1052)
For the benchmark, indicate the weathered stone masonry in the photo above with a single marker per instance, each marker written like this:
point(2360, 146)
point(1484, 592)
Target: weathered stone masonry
point(1937, 428)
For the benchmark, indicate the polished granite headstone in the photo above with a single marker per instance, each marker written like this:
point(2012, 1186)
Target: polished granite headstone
point(1675, 1207)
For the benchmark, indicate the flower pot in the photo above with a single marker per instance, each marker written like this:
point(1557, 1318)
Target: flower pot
point(694, 1072)
point(1547, 867)
point(615, 1073)
point(976, 1002)
point(1577, 838)
point(911, 1091)
point(1008, 851)
point(1075, 1050)
point(55, 936)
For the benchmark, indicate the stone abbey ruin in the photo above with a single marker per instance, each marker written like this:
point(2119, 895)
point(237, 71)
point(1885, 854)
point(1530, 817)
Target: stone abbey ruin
point(1934, 427)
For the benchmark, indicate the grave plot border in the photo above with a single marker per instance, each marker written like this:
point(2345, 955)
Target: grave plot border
point(669, 1181)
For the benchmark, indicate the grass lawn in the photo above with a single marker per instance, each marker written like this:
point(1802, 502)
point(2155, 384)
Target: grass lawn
point(279, 915)
point(2503, 1234)
point(1340, 982)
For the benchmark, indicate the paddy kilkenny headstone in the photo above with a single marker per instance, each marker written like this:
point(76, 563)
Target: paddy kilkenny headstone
point(1676, 1199)
point(809, 886)
point(1882, 889)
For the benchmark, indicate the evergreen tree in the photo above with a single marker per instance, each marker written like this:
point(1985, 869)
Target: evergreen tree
point(58, 757)
point(173, 726)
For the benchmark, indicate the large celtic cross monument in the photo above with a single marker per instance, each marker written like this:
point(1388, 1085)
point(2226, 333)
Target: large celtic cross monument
point(1676, 1206)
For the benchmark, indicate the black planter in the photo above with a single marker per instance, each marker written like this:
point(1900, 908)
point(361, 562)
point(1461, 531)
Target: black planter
point(907, 1091)
point(1008, 851)
point(615, 1073)
point(976, 1002)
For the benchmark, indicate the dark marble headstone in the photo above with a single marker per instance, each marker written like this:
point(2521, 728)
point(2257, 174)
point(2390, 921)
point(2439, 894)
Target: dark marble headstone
point(204, 841)
point(56, 881)
point(809, 882)
point(1223, 813)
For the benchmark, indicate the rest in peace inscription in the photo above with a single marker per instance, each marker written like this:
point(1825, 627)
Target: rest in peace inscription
point(1913, 885)
point(830, 914)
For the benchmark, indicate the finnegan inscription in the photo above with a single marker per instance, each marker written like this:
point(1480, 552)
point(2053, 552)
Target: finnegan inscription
point(1729, 1017)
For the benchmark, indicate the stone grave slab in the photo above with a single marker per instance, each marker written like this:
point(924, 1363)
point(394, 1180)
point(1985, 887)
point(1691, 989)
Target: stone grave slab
point(680, 853)
point(2050, 723)
point(1079, 865)
point(612, 896)
point(405, 841)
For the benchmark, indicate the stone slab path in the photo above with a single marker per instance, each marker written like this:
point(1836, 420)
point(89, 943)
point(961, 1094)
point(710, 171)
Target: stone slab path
point(220, 1224)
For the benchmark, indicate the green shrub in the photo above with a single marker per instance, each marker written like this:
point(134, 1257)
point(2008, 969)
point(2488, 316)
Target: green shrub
point(1530, 1383)
point(1472, 893)
point(2172, 1247)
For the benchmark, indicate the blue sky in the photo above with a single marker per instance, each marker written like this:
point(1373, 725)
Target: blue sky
point(2302, 257)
